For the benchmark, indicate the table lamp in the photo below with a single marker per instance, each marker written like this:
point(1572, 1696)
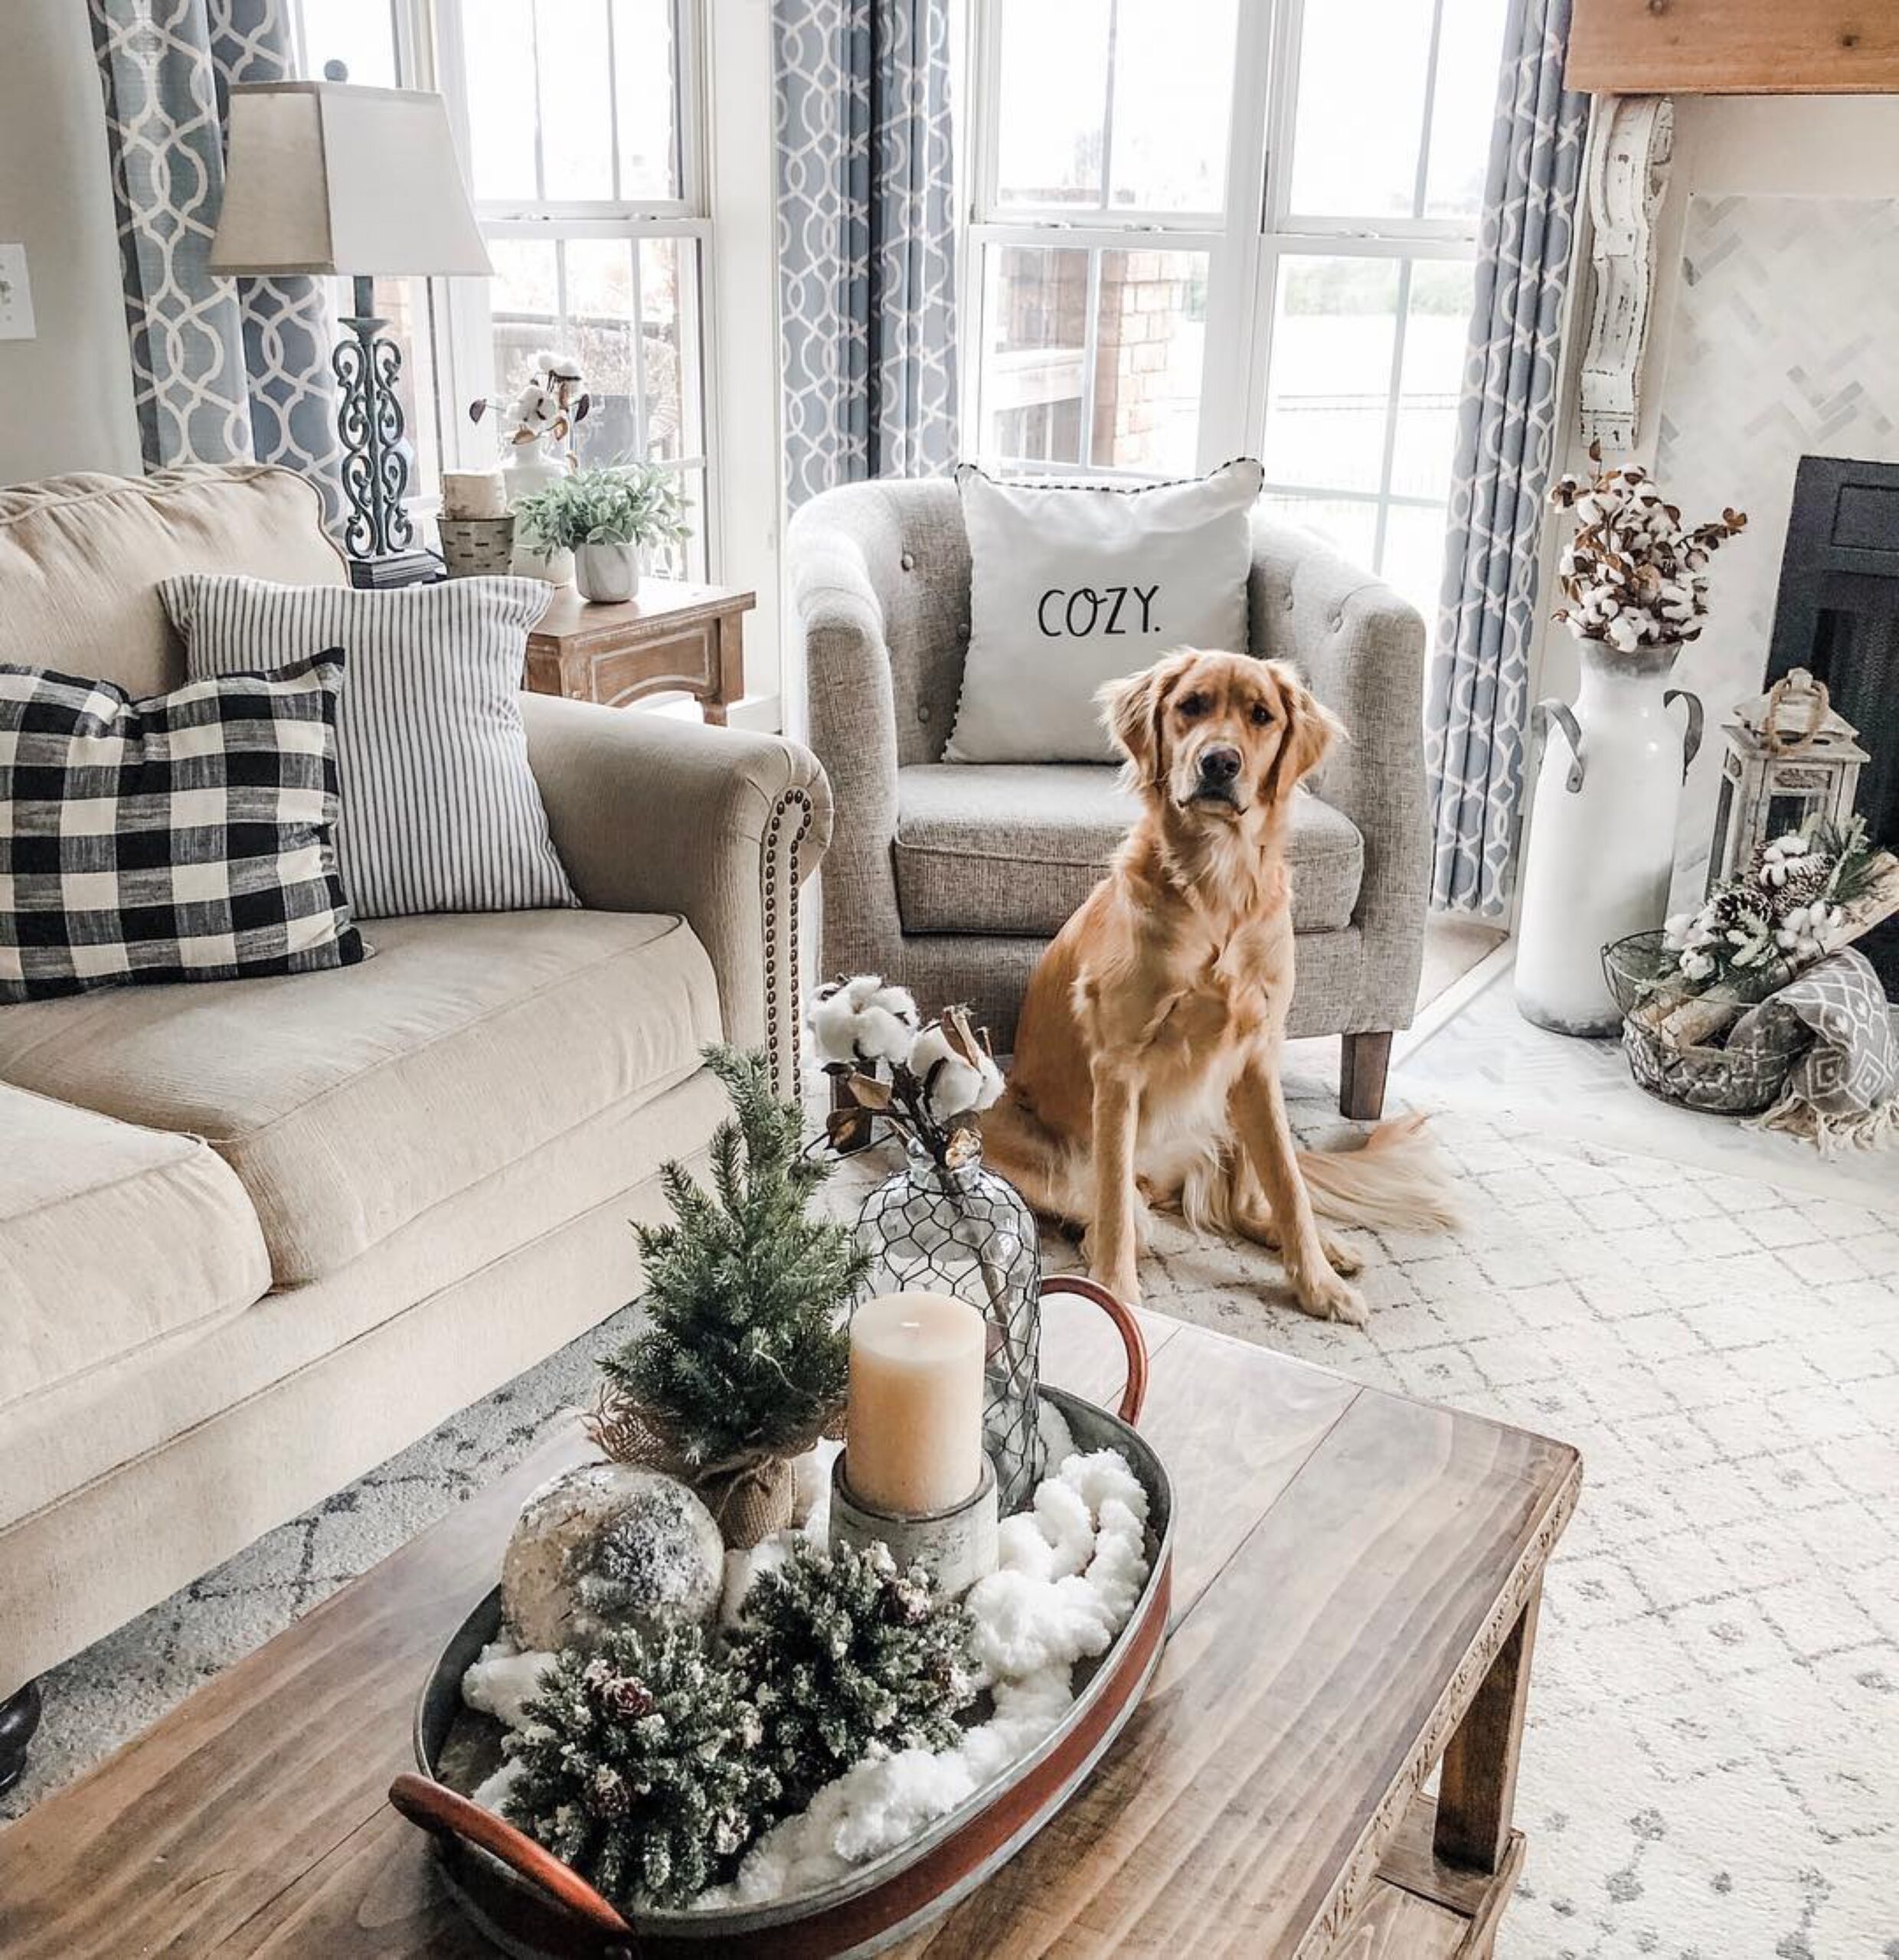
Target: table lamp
point(329, 178)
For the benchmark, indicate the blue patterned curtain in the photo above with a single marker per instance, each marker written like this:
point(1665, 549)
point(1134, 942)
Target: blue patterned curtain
point(1479, 681)
point(224, 371)
point(866, 230)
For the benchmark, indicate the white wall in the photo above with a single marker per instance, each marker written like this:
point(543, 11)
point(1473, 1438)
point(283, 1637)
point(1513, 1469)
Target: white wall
point(66, 396)
point(1829, 147)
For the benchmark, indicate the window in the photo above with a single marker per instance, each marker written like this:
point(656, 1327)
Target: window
point(1102, 183)
point(578, 121)
point(585, 168)
point(1200, 229)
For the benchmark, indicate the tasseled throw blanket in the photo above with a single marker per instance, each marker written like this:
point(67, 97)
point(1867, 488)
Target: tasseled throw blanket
point(1843, 1093)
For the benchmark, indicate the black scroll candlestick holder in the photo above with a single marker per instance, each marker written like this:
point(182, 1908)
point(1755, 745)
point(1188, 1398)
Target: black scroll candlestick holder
point(377, 534)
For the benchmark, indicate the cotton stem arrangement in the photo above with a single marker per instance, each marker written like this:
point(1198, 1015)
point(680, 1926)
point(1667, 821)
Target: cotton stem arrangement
point(550, 406)
point(928, 1080)
point(1787, 910)
point(1634, 576)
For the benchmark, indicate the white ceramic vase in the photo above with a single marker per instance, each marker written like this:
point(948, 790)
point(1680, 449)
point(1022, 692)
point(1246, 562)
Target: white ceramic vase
point(1602, 831)
point(526, 470)
point(607, 574)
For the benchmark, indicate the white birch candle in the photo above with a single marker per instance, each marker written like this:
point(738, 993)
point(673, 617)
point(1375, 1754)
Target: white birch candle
point(473, 493)
point(914, 1428)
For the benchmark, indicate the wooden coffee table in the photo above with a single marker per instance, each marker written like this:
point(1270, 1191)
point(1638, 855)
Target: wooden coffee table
point(1355, 1590)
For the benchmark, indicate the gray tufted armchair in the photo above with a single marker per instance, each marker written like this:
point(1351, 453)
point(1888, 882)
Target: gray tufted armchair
point(952, 878)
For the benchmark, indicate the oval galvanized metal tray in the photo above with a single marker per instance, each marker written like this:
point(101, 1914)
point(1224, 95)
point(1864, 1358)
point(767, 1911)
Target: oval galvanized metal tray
point(532, 1906)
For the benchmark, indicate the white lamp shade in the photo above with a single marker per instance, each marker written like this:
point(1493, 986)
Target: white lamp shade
point(322, 177)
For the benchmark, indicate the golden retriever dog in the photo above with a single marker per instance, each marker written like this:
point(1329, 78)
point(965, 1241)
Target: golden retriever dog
point(1147, 1059)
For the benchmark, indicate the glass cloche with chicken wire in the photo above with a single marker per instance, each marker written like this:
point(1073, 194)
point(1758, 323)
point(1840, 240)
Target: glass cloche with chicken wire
point(950, 1226)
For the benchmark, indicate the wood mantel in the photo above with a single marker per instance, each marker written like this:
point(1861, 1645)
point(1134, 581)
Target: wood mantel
point(1734, 47)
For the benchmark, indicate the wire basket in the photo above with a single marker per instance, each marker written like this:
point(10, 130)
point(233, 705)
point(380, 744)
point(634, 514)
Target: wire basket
point(477, 547)
point(1740, 1081)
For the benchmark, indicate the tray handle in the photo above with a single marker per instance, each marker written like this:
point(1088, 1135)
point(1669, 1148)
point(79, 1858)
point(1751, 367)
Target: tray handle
point(447, 1813)
point(1134, 1396)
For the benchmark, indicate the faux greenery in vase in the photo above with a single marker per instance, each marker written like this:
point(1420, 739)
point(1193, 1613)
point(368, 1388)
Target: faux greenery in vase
point(607, 518)
point(744, 1364)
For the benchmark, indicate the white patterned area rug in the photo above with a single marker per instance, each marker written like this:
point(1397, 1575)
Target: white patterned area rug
point(1711, 1770)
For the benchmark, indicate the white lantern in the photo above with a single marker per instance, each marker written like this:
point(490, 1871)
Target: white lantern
point(1790, 756)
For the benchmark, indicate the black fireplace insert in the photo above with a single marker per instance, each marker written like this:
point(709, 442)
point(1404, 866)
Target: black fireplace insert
point(1838, 615)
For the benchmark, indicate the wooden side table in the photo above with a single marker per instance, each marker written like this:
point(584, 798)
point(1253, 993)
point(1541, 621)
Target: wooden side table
point(674, 637)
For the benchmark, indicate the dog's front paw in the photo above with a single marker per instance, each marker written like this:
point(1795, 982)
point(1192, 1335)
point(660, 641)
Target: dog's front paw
point(1121, 1280)
point(1341, 1257)
point(1325, 1296)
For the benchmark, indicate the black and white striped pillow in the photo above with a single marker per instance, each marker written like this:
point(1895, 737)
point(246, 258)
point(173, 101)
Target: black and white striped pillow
point(186, 836)
point(441, 813)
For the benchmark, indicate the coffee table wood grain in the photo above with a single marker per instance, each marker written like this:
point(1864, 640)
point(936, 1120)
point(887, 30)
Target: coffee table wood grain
point(1354, 1597)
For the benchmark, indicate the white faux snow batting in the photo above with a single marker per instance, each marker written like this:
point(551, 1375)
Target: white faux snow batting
point(498, 1682)
point(500, 1678)
point(1070, 1574)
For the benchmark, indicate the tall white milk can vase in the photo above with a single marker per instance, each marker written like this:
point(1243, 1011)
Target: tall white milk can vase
point(1602, 830)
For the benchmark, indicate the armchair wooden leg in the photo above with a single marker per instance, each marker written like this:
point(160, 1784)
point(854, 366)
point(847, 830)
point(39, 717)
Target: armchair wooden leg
point(19, 1717)
point(1363, 1060)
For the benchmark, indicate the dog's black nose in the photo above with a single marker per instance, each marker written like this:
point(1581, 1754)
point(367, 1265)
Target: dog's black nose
point(1220, 765)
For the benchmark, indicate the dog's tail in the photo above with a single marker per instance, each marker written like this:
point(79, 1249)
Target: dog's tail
point(1396, 1180)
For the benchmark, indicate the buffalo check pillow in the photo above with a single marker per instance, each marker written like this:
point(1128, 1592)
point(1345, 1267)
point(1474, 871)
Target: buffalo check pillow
point(187, 836)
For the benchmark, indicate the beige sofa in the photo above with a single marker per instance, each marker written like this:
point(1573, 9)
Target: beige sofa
point(255, 1237)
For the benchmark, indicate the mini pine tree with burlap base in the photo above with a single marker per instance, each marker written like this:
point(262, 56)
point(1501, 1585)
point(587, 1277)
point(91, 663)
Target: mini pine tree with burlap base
point(744, 1361)
point(843, 1654)
point(642, 1769)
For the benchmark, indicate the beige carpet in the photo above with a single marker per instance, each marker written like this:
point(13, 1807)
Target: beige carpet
point(1711, 1768)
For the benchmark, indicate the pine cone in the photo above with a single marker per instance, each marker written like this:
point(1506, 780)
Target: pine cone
point(1805, 881)
point(622, 1698)
point(610, 1795)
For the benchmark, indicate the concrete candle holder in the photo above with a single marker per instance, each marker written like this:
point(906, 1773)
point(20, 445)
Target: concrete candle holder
point(958, 1545)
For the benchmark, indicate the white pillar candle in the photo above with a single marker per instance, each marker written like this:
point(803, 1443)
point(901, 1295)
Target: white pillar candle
point(473, 493)
point(913, 1429)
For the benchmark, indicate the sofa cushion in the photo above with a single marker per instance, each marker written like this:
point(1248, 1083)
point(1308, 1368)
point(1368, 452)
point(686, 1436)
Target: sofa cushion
point(111, 1238)
point(1015, 847)
point(349, 1103)
point(81, 557)
point(1073, 585)
point(55, 1441)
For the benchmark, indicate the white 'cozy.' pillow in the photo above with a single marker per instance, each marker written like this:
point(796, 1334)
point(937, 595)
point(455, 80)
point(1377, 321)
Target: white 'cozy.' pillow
point(1072, 585)
point(441, 813)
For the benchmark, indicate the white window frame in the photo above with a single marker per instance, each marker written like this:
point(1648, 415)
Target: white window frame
point(464, 321)
point(1228, 239)
point(1245, 246)
point(1284, 234)
point(725, 130)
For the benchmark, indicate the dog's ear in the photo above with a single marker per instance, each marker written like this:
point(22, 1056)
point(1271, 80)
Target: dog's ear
point(1132, 709)
point(1311, 730)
